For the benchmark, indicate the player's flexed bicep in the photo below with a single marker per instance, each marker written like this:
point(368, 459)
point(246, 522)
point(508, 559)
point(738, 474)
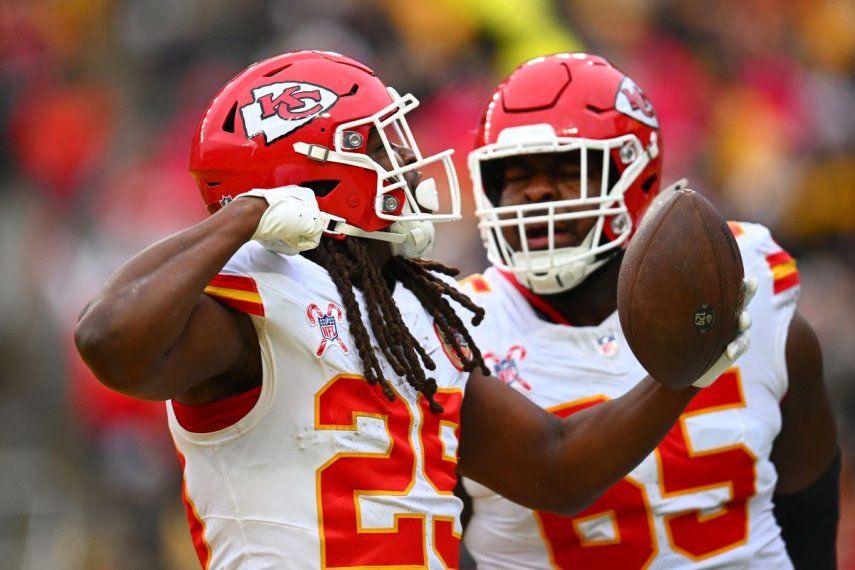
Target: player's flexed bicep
point(143, 333)
point(560, 465)
point(151, 333)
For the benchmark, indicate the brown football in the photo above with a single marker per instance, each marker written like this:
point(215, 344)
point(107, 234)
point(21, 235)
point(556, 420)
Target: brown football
point(679, 288)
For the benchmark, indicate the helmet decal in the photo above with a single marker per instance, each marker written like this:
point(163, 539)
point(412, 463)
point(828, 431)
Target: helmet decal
point(281, 108)
point(631, 101)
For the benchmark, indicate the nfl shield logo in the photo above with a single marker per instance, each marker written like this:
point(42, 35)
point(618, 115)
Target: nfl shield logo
point(505, 367)
point(607, 345)
point(328, 328)
point(328, 323)
point(506, 370)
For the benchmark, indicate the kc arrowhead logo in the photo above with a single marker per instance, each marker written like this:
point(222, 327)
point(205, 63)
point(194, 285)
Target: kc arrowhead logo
point(281, 108)
point(631, 101)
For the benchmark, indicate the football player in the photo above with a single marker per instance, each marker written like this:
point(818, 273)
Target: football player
point(315, 367)
point(567, 161)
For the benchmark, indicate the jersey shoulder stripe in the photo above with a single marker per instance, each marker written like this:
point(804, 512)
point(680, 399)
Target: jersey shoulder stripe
point(475, 283)
point(784, 271)
point(237, 291)
point(736, 228)
point(762, 255)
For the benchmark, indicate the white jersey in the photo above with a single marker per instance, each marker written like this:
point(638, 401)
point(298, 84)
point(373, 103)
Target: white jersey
point(703, 499)
point(324, 471)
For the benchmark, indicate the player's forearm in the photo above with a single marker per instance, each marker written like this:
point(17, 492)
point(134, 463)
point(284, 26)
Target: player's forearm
point(619, 433)
point(560, 465)
point(144, 307)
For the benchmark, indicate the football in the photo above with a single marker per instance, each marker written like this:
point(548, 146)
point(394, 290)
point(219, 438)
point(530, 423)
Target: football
point(679, 289)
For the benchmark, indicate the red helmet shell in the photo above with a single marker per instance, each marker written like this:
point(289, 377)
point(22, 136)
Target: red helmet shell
point(232, 154)
point(580, 96)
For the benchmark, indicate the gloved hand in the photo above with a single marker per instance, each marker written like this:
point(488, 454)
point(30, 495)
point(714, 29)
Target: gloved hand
point(292, 222)
point(740, 344)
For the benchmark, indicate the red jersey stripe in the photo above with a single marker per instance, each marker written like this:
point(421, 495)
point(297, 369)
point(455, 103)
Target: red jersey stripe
point(238, 292)
point(736, 228)
point(477, 282)
point(784, 271)
point(197, 526)
point(207, 418)
point(249, 307)
point(239, 282)
point(786, 282)
point(778, 257)
point(536, 301)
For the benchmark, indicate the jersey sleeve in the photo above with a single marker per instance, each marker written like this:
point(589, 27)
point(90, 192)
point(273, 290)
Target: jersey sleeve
point(764, 259)
point(234, 285)
point(778, 290)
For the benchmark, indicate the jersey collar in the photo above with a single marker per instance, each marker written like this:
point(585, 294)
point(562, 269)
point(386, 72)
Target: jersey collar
point(539, 304)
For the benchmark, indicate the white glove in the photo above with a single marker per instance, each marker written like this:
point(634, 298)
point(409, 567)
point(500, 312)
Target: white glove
point(740, 344)
point(292, 222)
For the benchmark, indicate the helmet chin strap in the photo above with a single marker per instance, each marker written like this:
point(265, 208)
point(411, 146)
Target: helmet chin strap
point(343, 228)
point(409, 239)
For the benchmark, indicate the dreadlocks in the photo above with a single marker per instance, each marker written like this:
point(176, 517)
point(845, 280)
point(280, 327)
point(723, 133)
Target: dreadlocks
point(350, 266)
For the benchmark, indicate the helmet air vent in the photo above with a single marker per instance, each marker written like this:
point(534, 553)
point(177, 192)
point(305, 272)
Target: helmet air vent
point(229, 123)
point(277, 70)
point(352, 91)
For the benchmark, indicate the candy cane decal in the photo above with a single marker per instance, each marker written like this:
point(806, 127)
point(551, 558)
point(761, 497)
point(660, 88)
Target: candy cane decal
point(328, 324)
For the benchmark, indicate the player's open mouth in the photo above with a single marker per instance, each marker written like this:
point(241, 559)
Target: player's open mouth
point(537, 236)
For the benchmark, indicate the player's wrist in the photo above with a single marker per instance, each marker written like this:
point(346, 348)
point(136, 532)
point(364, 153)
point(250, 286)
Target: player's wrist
point(681, 392)
point(245, 215)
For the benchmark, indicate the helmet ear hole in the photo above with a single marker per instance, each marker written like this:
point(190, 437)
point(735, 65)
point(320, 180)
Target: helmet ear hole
point(648, 183)
point(321, 187)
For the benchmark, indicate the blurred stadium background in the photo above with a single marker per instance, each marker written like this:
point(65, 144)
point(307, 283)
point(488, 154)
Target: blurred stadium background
point(98, 100)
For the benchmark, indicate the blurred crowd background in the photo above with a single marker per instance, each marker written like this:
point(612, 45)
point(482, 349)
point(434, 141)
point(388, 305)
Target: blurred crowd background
point(98, 101)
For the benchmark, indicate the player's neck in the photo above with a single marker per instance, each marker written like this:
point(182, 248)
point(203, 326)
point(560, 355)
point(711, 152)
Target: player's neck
point(593, 300)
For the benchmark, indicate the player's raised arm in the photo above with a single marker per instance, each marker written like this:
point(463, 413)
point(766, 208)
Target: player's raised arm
point(560, 465)
point(143, 332)
point(148, 333)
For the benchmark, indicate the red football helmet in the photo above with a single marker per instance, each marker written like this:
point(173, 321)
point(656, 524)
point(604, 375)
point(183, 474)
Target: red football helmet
point(562, 103)
point(304, 118)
